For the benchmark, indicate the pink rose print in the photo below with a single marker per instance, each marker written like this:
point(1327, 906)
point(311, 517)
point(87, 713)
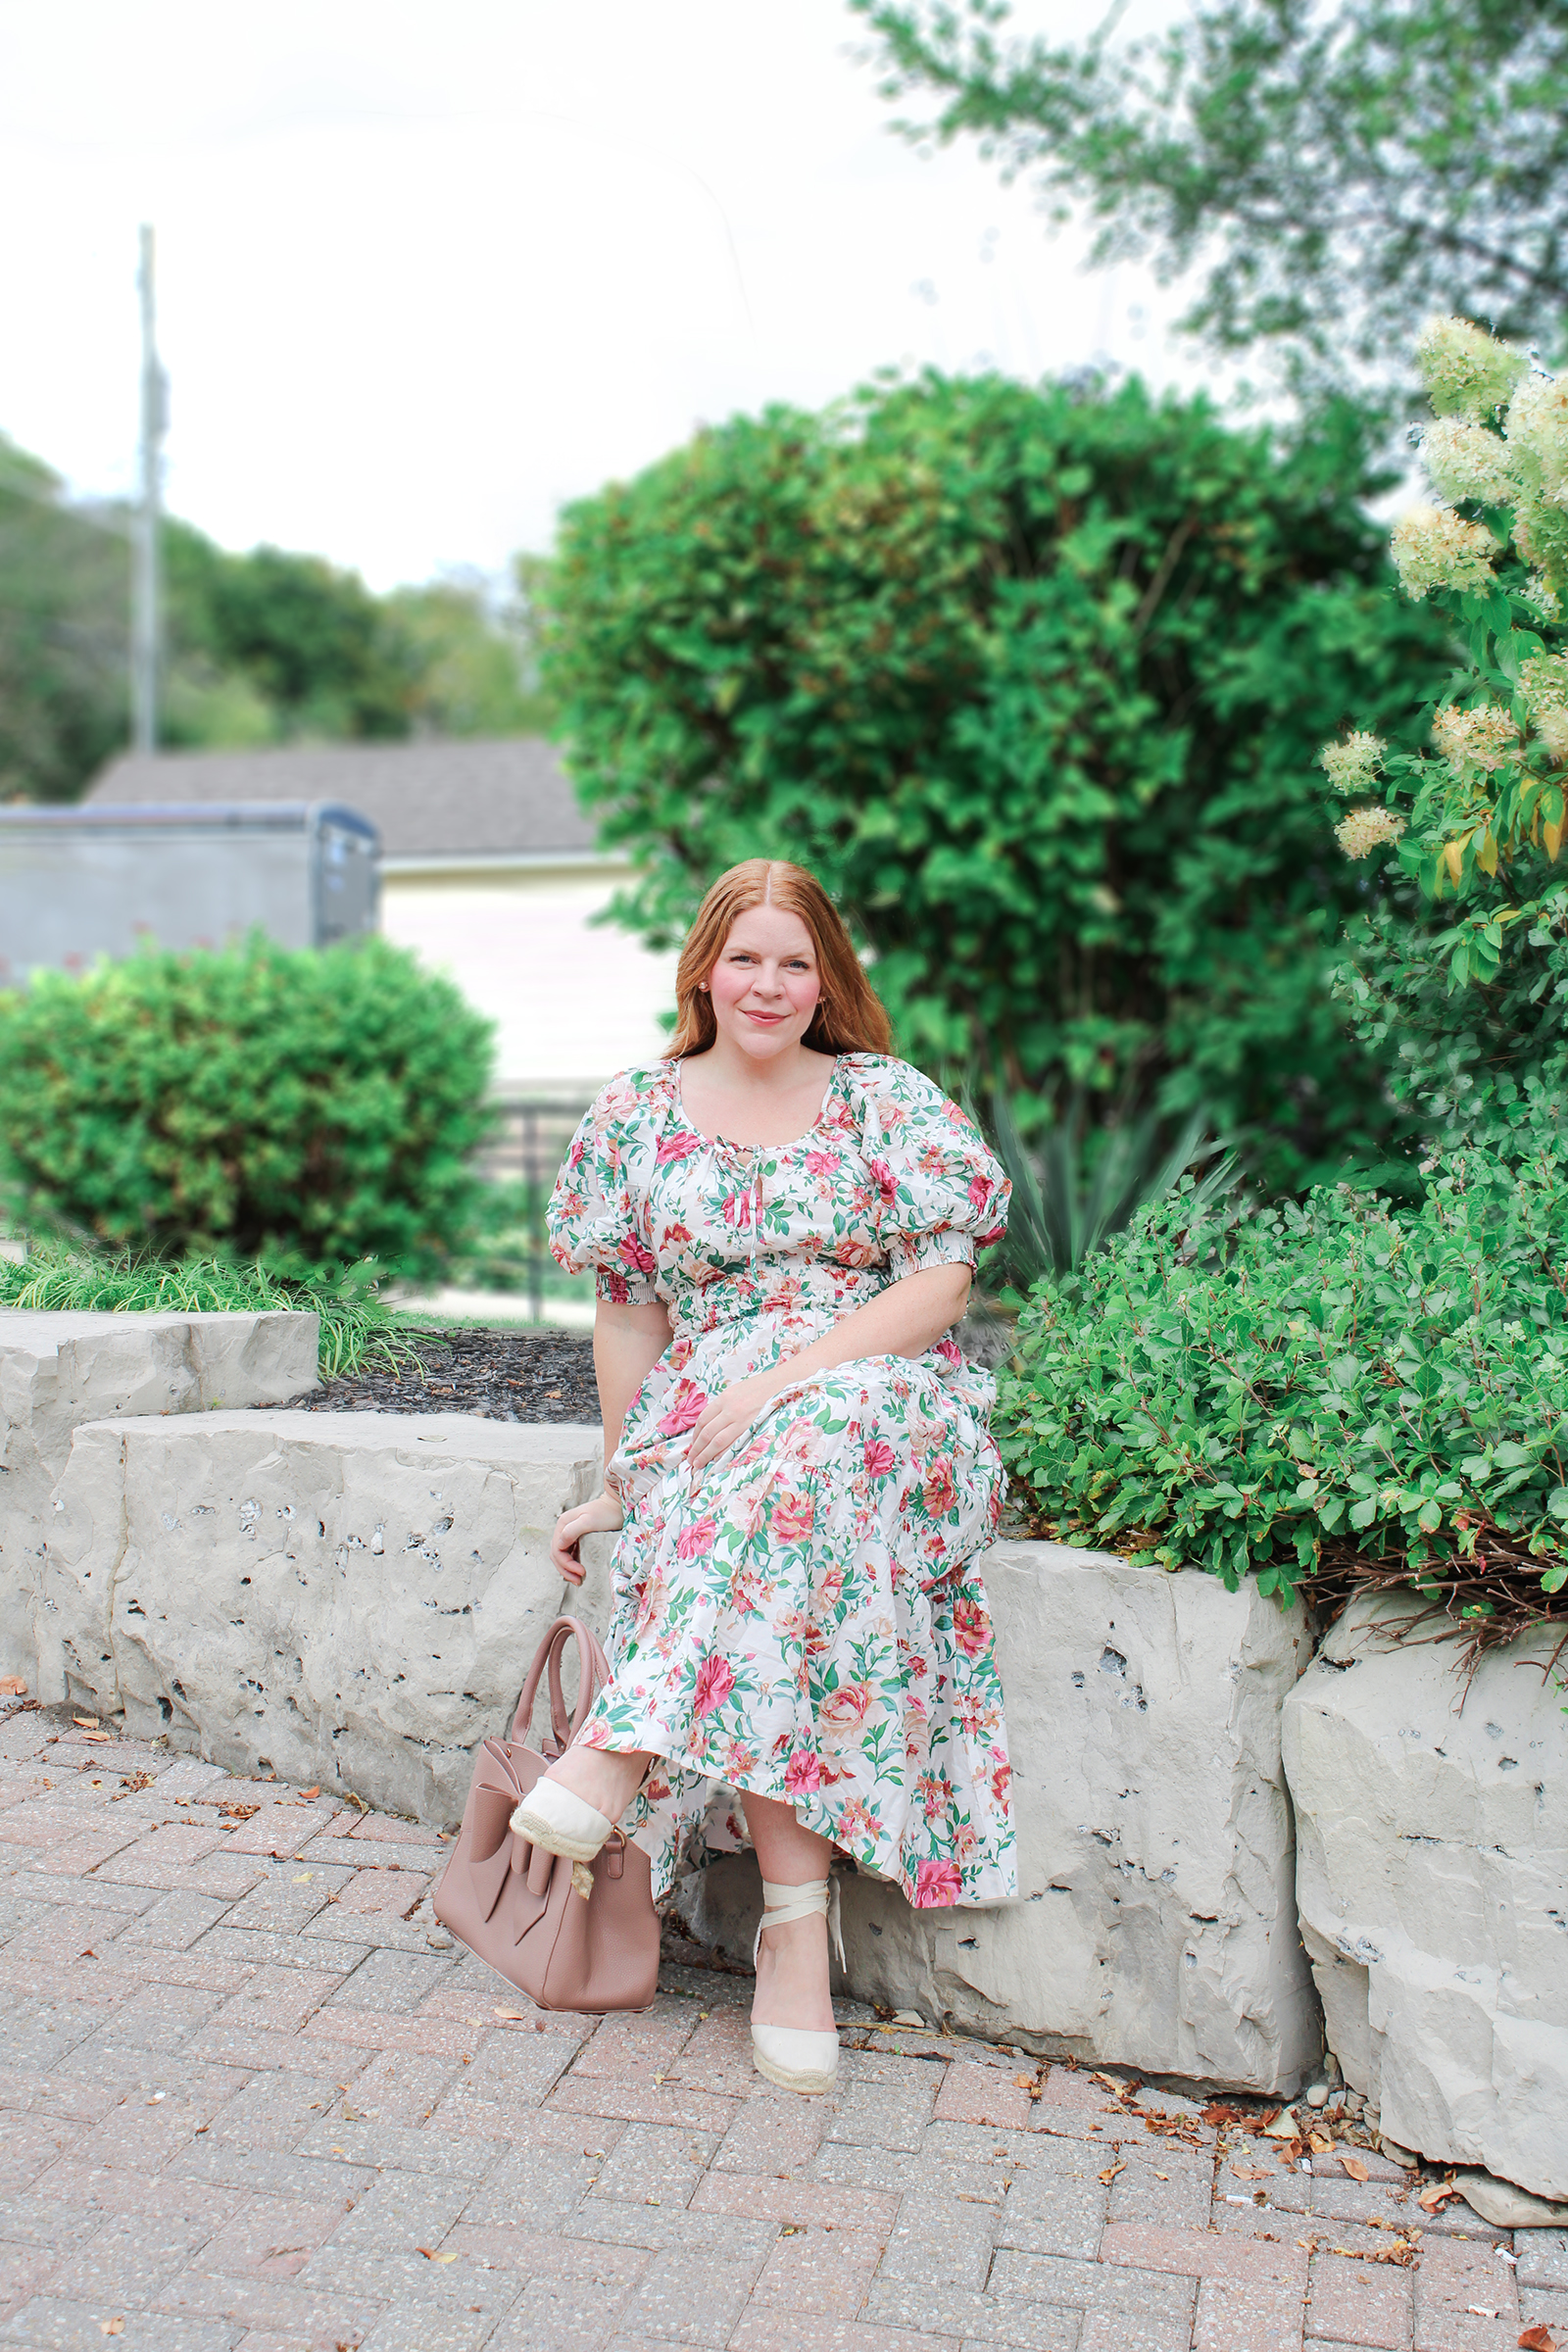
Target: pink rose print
point(685, 1411)
point(939, 1490)
point(1001, 1775)
point(880, 1459)
point(675, 1147)
point(936, 1885)
point(695, 1542)
point(802, 1774)
point(738, 1209)
point(615, 1289)
point(714, 1682)
point(853, 1253)
point(793, 1517)
point(846, 1708)
point(887, 1183)
point(859, 1821)
point(822, 1163)
point(637, 1254)
point(979, 1193)
point(830, 1589)
point(971, 1627)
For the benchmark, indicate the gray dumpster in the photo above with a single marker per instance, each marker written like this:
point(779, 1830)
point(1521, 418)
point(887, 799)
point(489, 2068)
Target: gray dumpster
point(80, 883)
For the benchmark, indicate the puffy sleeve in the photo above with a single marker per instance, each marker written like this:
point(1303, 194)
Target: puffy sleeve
point(597, 1215)
point(942, 1196)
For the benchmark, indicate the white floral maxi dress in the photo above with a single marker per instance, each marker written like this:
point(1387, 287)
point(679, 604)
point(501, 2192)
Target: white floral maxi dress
point(805, 1623)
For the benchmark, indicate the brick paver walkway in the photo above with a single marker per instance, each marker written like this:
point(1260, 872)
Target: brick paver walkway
point(247, 2104)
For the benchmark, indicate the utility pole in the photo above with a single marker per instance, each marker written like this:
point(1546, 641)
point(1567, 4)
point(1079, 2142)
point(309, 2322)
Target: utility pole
point(146, 636)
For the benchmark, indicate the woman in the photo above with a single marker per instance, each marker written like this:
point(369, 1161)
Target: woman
point(782, 1221)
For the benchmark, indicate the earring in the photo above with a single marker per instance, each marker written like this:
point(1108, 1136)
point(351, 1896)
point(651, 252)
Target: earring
point(702, 985)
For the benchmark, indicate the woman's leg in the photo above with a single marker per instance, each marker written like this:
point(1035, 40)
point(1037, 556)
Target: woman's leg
point(605, 1777)
point(792, 1963)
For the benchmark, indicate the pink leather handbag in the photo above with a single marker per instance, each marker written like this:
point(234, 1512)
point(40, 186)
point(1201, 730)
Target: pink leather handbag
point(572, 1936)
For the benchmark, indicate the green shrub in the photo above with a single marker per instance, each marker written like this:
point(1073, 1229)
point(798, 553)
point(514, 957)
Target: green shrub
point(356, 1328)
point(1033, 679)
point(255, 1102)
point(1328, 1390)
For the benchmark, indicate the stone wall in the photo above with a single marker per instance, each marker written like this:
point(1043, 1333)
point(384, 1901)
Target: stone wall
point(343, 1597)
point(1156, 1920)
point(1433, 1884)
point(58, 1371)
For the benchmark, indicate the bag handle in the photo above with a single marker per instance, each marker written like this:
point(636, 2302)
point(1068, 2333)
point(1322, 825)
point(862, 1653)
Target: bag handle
point(593, 1673)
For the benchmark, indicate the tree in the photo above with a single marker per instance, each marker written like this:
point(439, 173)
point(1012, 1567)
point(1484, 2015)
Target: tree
point(1033, 681)
point(1335, 169)
point(64, 585)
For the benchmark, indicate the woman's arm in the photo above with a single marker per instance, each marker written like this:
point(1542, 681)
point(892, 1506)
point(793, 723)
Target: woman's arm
point(901, 1320)
point(628, 1341)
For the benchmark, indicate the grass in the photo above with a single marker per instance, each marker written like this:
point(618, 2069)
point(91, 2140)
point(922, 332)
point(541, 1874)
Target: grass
point(356, 1328)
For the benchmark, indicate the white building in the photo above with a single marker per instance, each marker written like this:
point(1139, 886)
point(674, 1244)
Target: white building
point(488, 872)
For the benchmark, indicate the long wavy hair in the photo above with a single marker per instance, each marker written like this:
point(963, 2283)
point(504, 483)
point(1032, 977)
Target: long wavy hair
point(848, 1018)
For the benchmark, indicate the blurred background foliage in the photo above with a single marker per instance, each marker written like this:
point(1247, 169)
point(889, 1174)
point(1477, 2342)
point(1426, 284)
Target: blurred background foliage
point(264, 647)
point(1035, 680)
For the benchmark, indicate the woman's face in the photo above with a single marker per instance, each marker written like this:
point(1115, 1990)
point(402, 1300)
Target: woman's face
point(765, 985)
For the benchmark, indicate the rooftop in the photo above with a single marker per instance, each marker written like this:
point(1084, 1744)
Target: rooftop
point(503, 798)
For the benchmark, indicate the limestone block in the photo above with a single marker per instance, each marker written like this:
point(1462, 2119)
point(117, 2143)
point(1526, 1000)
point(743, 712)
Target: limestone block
point(1432, 1875)
point(58, 1371)
point(348, 1597)
point(1156, 1920)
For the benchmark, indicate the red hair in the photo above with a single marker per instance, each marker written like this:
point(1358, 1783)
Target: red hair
point(849, 1017)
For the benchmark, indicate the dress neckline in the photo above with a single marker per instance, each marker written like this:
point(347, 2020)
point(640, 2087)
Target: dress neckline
point(723, 1143)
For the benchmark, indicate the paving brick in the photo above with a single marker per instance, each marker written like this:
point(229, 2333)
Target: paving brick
point(437, 2154)
point(273, 2236)
point(675, 2300)
point(982, 2094)
point(275, 1999)
point(858, 2165)
point(278, 1828)
point(1048, 2213)
point(510, 2075)
point(94, 2189)
point(445, 2331)
point(1359, 2302)
point(281, 1898)
point(643, 2102)
point(50, 2218)
point(403, 2087)
point(368, 1892)
point(638, 2048)
point(368, 2030)
point(654, 2164)
point(557, 2315)
point(803, 2203)
point(1545, 2307)
point(306, 2315)
point(1205, 2254)
point(267, 1947)
point(822, 2271)
point(1180, 2200)
point(774, 2132)
point(1247, 2315)
point(887, 2102)
point(1543, 2257)
point(769, 2329)
point(55, 2324)
point(225, 2166)
point(939, 2242)
point(972, 2318)
point(128, 2259)
point(1342, 2200)
point(1457, 2285)
point(230, 1877)
point(392, 1980)
point(701, 2236)
point(547, 2174)
point(25, 2270)
point(1132, 2331)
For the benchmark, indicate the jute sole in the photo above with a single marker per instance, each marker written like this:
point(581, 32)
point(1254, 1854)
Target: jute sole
point(538, 1832)
point(811, 2087)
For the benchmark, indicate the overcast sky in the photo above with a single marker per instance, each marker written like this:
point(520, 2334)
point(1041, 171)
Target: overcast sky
point(425, 272)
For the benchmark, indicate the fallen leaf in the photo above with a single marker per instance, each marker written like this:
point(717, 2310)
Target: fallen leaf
point(301, 1877)
point(1022, 2081)
point(1110, 2172)
point(1538, 2339)
point(98, 1739)
point(87, 1723)
point(1436, 2195)
point(110, 2327)
point(432, 2256)
point(1320, 2143)
point(306, 1794)
point(1353, 2166)
point(13, 1686)
point(233, 1811)
point(88, 1954)
point(1217, 2113)
point(517, 2017)
point(1253, 2171)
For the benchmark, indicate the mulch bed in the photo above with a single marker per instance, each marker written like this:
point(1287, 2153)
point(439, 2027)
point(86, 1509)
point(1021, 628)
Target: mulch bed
point(502, 1375)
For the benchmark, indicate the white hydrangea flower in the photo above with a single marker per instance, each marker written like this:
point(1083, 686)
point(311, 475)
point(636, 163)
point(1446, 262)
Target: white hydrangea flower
point(1538, 421)
point(1481, 738)
point(1367, 829)
point(1353, 763)
point(1544, 683)
point(1434, 547)
point(1539, 592)
point(1466, 461)
point(1467, 372)
point(1552, 727)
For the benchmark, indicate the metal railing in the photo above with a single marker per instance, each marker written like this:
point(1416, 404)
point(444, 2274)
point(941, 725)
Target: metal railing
point(530, 1140)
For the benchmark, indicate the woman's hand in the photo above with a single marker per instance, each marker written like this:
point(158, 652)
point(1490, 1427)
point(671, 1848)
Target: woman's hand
point(730, 1414)
point(601, 1517)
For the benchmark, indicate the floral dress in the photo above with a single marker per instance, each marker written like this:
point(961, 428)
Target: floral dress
point(804, 1621)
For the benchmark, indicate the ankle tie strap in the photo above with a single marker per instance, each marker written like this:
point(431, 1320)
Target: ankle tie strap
point(781, 1904)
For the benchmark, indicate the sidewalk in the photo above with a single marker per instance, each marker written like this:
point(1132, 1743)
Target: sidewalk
point(248, 2104)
